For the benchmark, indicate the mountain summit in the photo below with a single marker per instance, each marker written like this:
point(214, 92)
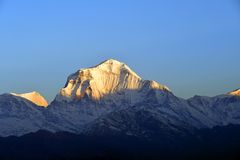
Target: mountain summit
point(235, 92)
point(109, 77)
point(34, 97)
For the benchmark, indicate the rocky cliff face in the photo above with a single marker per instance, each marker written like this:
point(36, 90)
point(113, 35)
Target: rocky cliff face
point(105, 79)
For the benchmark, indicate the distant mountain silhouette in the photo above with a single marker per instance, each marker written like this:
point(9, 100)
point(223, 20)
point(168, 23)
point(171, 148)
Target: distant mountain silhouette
point(217, 143)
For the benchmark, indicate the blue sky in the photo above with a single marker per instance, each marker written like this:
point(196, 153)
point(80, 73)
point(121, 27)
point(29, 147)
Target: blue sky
point(193, 47)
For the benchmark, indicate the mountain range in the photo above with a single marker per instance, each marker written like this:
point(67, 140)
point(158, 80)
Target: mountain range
point(111, 99)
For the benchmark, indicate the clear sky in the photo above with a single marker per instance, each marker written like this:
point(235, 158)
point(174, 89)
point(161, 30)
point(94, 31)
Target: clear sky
point(191, 46)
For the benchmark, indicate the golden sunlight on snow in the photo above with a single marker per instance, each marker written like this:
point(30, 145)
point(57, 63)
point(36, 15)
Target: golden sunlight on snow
point(34, 97)
point(106, 78)
point(235, 93)
point(101, 80)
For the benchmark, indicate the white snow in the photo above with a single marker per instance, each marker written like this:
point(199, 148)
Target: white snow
point(110, 95)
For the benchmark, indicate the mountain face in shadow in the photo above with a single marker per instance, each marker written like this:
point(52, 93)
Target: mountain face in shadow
point(20, 116)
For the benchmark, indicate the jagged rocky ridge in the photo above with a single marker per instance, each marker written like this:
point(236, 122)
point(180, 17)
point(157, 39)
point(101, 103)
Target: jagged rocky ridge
point(111, 99)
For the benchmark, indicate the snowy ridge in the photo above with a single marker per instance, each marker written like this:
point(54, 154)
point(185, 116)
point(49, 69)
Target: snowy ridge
point(110, 98)
point(19, 116)
point(235, 92)
point(34, 97)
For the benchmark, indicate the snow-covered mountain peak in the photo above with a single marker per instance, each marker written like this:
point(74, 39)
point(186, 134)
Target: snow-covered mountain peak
point(104, 79)
point(235, 92)
point(34, 97)
point(116, 67)
point(110, 98)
